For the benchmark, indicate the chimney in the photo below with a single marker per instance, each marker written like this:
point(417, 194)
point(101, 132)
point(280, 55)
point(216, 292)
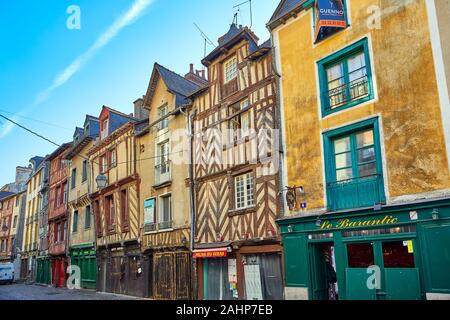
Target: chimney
point(139, 111)
point(196, 76)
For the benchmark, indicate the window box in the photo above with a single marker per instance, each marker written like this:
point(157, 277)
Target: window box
point(346, 78)
point(353, 166)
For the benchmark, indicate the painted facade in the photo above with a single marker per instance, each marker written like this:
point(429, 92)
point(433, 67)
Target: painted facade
point(30, 231)
point(165, 210)
point(16, 232)
point(116, 207)
point(7, 204)
point(364, 135)
point(58, 215)
point(237, 242)
point(81, 238)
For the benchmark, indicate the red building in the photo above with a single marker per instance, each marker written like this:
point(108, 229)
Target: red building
point(58, 215)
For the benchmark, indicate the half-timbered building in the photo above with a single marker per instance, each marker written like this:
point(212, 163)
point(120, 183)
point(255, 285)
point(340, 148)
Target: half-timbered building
point(237, 248)
point(115, 200)
point(165, 210)
point(57, 215)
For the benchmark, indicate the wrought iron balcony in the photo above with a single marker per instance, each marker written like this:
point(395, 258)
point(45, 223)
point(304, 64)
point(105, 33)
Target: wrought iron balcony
point(355, 193)
point(347, 93)
point(163, 173)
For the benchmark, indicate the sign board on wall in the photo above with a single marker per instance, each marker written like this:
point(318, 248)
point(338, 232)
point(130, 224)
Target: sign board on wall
point(329, 14)
point(210, 253)
point(149, 211)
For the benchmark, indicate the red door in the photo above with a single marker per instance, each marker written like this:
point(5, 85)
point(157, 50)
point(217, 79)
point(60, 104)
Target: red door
point(54, 272)
point(62, 274)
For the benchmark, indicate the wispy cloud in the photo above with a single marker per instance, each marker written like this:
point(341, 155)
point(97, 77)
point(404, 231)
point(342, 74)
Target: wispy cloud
point(136, 10)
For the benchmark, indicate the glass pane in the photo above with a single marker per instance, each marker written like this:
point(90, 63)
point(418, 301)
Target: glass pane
point(356, 67)
point(364, 139)
point(342, 145)
point(336, 87)
point(398, 254)
point(344, 174)
point(343, 160)
point(366, 155)
point(369, 169)
point(360, 255)
point(335, 73)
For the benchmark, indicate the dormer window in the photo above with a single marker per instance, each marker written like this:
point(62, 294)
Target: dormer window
point(86, 129)
point(230, 69)
point(105, 129)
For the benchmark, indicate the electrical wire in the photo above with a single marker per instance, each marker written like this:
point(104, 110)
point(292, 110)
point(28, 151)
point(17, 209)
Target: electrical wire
point(35, 120)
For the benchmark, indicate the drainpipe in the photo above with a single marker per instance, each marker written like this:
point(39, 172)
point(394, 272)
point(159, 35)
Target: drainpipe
point(192, 202)
point(279, 123)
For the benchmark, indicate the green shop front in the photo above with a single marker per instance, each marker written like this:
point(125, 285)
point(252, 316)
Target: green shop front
point(84, 256)
point(43, 270)
point(395, 253)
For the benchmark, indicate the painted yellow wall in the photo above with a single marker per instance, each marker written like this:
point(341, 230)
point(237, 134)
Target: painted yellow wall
point(78, 200)
point(33, 203)
point(179, 171)
point(407, 102)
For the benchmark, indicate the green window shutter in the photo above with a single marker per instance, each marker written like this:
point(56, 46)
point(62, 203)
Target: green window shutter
point(75, 221)
point(87, 217)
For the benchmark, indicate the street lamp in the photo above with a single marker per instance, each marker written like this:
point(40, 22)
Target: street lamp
point(102, 181)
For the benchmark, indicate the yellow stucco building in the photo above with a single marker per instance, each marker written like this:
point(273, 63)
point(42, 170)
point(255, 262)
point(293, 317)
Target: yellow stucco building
point(366, 143)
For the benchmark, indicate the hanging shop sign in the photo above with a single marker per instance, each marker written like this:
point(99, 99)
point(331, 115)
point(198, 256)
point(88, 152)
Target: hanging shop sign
point(329, 14)
point(356, 223)
point(211, 253)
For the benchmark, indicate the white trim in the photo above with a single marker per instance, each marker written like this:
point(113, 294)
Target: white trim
point(440, 73)
point(283, 159)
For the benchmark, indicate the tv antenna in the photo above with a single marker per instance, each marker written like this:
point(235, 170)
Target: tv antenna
point(239, 7)
point(206, 38)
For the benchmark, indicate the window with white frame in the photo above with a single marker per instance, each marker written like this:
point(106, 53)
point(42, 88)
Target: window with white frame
point(243, 185)
point(163, 111)
point(230, 69)
point(165, 212)
point(240, 125)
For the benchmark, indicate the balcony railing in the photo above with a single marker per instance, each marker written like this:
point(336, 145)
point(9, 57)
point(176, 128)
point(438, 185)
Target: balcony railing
point(355, 193)
point(344, 94)
point(163, 173)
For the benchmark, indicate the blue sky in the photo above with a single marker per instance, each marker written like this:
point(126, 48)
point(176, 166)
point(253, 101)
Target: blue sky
point(51, 77)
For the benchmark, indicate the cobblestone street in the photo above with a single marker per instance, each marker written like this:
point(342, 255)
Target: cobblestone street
point(34, 292)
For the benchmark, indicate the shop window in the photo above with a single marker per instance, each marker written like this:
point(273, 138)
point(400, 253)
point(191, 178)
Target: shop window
point(398, 254)
point(346, 78)
point(353, 167)
point(244, 186)
point(263, 279)
point(216, 282)
point(360, 255)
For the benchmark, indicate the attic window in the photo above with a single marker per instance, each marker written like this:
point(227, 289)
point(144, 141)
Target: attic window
point(230, 69)
point(86, 129)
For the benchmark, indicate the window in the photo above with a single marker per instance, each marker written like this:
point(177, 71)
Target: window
point(244, 191)
point(163, 162)
point(240, 125)
point(86, 130)
point(57, 231)
point(75, 221)
point(360, 255)
point(105, 129)
point(103, 165)
point(230, 69)
point(113, 155)
point(110, 212)
point(124, 208)
point(73, 181)
point(64, 187)
point(149, 211)
point(85, 171)
point(165, 212)
point(162, 115)
point(353, 166)
point(15, 222)
point(346, 78)
point(58, 196)
point(398, 254)
point(87, 217)
point(17, 201)
point(3, 246)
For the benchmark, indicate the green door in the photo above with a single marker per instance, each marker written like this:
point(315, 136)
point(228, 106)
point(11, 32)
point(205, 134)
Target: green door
point(318, 272)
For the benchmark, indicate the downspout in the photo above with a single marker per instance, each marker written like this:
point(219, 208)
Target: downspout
point(279, 124)
point(192, 203)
